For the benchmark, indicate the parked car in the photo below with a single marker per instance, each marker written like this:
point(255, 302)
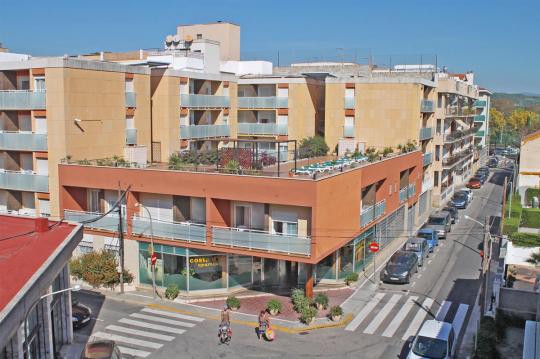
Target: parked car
point(474, 183)
point(101, 349)
point(459, 200)
point(454, 213)
point(431, 236)
point(482, 176)
point(440, 222)
point(400, 268)
point(80, 314)
point(435, 339)
point(493, 162)
point(468, 192)
point(485, 168)
point(418, 246)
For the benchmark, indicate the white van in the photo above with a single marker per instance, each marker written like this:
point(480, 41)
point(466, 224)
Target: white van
point(435, 340)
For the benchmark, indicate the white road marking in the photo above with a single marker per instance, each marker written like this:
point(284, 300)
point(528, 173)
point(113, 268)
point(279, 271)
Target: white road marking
point(141, 333)
point(413, 284)
point(400, 316)
point(429, 262)
point(152, 326)
point(419, 276)
point(459, 318)
point(133, 352)
point(418, 319)
point(122, 339)
point(162, 320)
point(173, 315)
point(441, 244)
point(443, 310)
point(379, 318)
point(364, 312)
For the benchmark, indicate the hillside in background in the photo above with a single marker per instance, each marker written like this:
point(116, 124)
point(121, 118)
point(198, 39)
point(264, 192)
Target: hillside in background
point(507, 102)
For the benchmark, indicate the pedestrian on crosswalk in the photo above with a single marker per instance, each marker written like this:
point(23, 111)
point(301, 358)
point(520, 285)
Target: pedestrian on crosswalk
point(264, 321)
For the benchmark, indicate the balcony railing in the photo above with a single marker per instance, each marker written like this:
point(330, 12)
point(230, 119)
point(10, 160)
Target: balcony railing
point(457, 135)
point(349, 103)
point(260, 240)
point(131, 136)
point(204, 131)
point(183, 231)
point(480, 133)
point(452, 111)
point(452, 160)
point(23, 141)
point(131, 100)
point(426, 133)
point(107, 223)
point(480, 103)
point(272, 129)
point(380, 209)
point(204, 101)
point(24, 181)
point(367, 216)
point(428, 158)
point(480, 118)
point(427, 106)
point(403, 194)
point(22, 100)
point(411, 192)
point(348, 131)
point(263, 102)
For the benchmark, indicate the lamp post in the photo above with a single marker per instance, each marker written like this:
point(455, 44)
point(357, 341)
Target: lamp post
point(152, 267)
point(75, 288)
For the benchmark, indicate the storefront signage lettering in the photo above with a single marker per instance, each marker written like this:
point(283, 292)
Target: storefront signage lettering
point(204, 262)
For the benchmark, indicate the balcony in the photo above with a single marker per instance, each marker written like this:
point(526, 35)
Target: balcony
point(348, 131)
point(272, 129)
point(131, 99)
point(367, 216)
point(452, 160)
point(260, 240)
point(411, 191)
point(24, 181)
point(131, 136)
point(263, 102)
point(426, 133)
point(480, 133)
point(479, 118)
point(427, 106)
point(23, 141)
point(403, 194)
point(480, 103)
point(380, 209)
point(457, 135)
point(349, 103)
point(427, 183)
point(183, 231)
point(204, 101)
point(455, 111)
point(22, 100)
point(428, 158)
point(204, 131)
point(107, 223)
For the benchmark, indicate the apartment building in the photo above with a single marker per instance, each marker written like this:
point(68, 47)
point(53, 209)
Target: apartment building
point(53, 109)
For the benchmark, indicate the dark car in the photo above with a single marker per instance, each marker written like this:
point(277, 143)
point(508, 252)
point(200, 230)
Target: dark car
point(482, 176)
point(492, 163)
point(454, 213)
point(80, 314)
point(474, 183)
point(400, 268)
point(459, 200)
point(101, 349)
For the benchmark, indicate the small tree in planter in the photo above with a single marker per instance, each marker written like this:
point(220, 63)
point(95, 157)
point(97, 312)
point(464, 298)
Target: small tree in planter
point(321, 300)
point(387, 151)
point(171, 292)
point(307, 314)
point(233, 302)
point(351, 278)
point(296, 293)
point(274, 306)
point(302, 302)
point(335, 313)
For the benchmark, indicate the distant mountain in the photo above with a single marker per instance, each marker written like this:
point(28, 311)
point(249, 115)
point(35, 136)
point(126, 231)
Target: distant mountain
point(507, 102)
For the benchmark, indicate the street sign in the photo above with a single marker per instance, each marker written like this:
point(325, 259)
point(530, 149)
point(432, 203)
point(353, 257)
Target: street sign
point(153, 259)
point(374, 247)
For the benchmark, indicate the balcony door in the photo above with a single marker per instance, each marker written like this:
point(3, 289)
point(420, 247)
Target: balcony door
point(242, 216)
point(285, 223)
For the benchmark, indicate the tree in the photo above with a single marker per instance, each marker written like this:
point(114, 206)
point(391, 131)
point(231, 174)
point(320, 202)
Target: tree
point(497, 121)
point(99, 269)
point(313, 147)
point(523, 122)
point(534, 258)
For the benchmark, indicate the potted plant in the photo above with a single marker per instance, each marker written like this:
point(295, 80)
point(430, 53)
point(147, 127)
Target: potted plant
point(274, 306)
point(308, 314)
point(351, 278)
point(302, 302)
point(335, 313)
point(171, 292)
point(233, 302)
point(296, 293)
point(321, 300)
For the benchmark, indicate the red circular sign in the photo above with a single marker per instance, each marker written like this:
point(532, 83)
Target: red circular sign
point(374, 247)
point(153, 259)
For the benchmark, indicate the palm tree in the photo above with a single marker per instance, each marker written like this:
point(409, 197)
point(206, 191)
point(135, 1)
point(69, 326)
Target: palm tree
point(534, 258)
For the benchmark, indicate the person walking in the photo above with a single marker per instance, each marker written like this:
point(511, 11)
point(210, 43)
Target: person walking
point(225, 325)
point(263, 323)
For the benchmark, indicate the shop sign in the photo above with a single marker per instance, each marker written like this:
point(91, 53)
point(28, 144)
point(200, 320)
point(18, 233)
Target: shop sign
point(204, 264)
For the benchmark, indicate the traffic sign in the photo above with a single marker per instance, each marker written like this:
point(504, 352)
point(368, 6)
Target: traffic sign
point(153, 259)
point(374, 247)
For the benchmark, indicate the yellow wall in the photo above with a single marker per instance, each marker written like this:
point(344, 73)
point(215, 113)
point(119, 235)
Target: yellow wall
point(166, 113)
point(303, 103)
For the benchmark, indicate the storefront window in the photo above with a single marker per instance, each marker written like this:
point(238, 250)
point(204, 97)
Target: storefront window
point(346, 260)
point(174, 271)
point(271, 272)
point(326, 269)
point(206, 270)
point(361, 253)
point(239, 270)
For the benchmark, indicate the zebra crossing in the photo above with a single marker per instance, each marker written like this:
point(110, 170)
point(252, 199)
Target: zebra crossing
point(160, 327)
point(399, 315)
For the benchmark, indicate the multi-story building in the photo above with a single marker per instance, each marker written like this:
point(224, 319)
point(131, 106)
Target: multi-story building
point(57, 108)
point(481, 120)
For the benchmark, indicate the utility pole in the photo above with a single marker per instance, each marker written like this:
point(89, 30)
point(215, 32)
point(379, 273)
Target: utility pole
point(121, 249)
point(485, 267)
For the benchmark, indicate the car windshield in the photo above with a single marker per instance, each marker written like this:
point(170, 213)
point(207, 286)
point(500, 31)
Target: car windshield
point(415, 247)
point(429, 348)
point(394, 268)
point(424, 235)
point(401, 260)
point(460, 196)
point(436, 220)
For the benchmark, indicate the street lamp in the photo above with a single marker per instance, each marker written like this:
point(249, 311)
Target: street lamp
point(75, 288)
point(152, 244)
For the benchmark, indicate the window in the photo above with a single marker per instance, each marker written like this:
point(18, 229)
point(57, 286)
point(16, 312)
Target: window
point(439, 101)
point(285, 228)
point(437, 153)
point(40, 124)
point(39, 83)
point(199, 36)
point(436, 178)
point(44, 207)
point(242, 214)
point(438, 126)
point(93, 200)
point(130, 122)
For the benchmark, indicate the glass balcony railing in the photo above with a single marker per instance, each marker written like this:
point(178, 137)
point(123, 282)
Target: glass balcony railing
point(479, 118)
point(204, 131)
point(428, 158)
point(367, 216)
point(22, 100)
point(403, 194)
point(131, 100)
point(427, 106)
point(380, 209)
point(263, 102)
point(23, 141)
point(350, 103)
point(348, 131)
point(108, 223)
point(131, 136)
point(411, 192)
point(480, 103)
point(426, 133)
point(183, 231)
point(260, 240)
point(273, 129)
point(24, 181)
point(480, 133)
point(204, 101)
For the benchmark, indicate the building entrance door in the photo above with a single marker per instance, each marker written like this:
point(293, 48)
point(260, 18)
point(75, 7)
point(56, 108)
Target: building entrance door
point(279, 275)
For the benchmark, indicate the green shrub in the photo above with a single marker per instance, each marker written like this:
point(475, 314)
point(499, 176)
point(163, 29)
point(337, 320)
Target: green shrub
point(530, 193)
point(296, 293)
point(99, 269)
point(525, 239)
point(336, 310)
point(387, 151)
point(233, 302)
point(351, 278)
point(233, 167)
point(312, 147)
point(301, 303)
point(530, 217)
point(171, 292)
point(274, 305)
point(487, 340)
point(322, 300)
point(307, 314)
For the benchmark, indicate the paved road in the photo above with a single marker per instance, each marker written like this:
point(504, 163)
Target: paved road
point(389, 315)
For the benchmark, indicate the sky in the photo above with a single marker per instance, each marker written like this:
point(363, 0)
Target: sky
point(498, 40)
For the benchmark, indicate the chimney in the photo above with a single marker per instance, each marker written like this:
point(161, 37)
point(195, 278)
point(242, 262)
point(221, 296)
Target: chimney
point(42, 224)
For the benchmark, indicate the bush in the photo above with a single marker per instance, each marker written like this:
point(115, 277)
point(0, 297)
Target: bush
point(510, 226)
point(307, 314)
point(171, 292)
point(351, 277)
point(525, 239)
point(296, 293)
point(387, 151)
point(274, 305)
point(336, 310)
point(487, 340)
point(530, 217)
point(301, 303)
point(232, 167)
point(99, 269)
point(322, 300)
point(233, 302)
point(312, 147)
